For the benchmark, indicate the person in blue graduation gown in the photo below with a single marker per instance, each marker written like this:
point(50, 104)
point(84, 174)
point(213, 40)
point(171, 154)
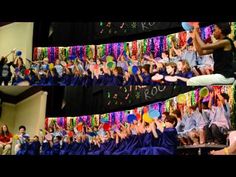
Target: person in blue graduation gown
point(56, 147)
point(34, 147)
point(184, 72)
point(128, 79)
point(169, 142)
point(66, 145)
point(145, 77)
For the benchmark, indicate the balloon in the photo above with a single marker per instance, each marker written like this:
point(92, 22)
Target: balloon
point(18, 53)
point(48, 137)
point(146, 118)
point(135, 69)
point(96, 66)
point(130, 69)
point(145, 109)
point(80, 127)
point(186, 26)
point(106, 126)
point(51, 66)
point(109, 58)
point(111, 65)
point(154, 114)
point(131, 118)
point(138, 116)
point(181, 99)
point(204, 92)
point(70, 134)
point(194, 24)
point(27, 72)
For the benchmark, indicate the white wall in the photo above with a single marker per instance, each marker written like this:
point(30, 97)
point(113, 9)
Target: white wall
point(8, 115)
point(30, 112)
point(17, 35)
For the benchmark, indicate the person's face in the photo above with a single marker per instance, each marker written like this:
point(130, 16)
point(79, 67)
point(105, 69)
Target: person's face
point(57, 62)
point(163, 55)
point(143, 70)
point(133, 57)
point(115, 72)
point(217, 32)
point(169, 125)
point(122, 58)
point(179, 66)
point(50, 130)
point(163, 117)
point(169, 70)
point(36, 138)
point(127, 74)
point(98, 62)
point(22, 131)
point(4, 128)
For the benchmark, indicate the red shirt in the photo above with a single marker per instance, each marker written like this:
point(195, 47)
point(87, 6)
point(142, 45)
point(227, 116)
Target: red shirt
point(5, 139)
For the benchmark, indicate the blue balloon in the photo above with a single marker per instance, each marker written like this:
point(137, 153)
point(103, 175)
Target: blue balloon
point(18, 53)
point(134, 69)
point(131, 118)
point(186, 26)
point(154, 114)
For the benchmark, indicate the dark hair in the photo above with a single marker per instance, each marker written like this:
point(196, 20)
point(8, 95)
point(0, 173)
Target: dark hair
point(205, 105)
point(177, 113)
point(171, 119)
point(166, 113)
point(1, 130)
point(166, 52)
point(225, 27)
point(36, 136)
point(146, 67)
point(225, 96)
point(193, 107)
point(22, 126)
point(58, 137)
point(21, 61)
point(173, 65)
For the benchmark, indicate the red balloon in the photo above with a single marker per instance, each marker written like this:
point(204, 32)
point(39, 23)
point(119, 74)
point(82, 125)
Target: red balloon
point(106, 126)
point(138, 116)
point(27, 72)
point(70, 134)
point(145, 109)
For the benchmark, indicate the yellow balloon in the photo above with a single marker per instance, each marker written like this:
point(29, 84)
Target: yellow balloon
point(181, 99)
point(51, 66)
point(146, 118)
point(204, 92)
point(109, 58)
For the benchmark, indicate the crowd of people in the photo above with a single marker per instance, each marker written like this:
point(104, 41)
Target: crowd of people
point(207, 122)
point(188, 65)
point(137, 138)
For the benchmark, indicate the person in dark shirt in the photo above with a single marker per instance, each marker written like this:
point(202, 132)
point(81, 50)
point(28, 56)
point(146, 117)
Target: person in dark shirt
point(223, 53)
point(5, 72)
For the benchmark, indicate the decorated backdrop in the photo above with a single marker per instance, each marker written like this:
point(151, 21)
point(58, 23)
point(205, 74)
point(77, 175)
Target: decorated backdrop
point(148, 112)
point(138, 47)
